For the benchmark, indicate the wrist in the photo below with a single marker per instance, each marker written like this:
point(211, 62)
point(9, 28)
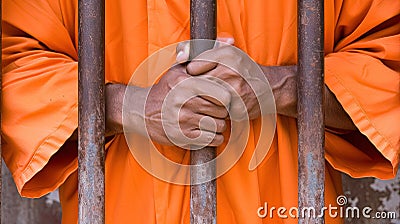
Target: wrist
point(282, 80)
point(135, 105)
point(114, 94)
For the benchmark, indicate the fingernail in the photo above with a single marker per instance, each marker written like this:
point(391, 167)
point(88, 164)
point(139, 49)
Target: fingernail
point(187, 48)
point(179, 57)
point(230, 40)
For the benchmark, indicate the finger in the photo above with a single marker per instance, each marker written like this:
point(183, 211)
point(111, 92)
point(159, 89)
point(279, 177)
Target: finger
point(220, 111)
point(209, 124)
point(211, 90)
point(208, 60)
point(222, 38)
point(226, 38)
point(197, 86)
point(224, 54)
point(217, 141)
point(182, 45)
point(207, 107)
point(198, 67)
point(205, 138)
point(178, 96)
point(223, 41)
point(183, 49)
point(201, 122)
point(182, 52)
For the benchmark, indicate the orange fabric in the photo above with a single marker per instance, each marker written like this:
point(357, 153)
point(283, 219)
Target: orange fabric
point(40, 101)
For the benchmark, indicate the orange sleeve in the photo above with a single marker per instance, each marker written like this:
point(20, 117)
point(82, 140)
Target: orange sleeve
point(363, 73)
point(39, 109)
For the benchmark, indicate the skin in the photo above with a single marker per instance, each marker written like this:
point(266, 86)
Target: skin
point(282, 79)
point(189, 114)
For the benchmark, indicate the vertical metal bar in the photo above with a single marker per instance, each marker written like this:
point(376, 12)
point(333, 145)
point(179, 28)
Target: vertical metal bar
point(91, 112)
point(203, 197)
point(1, 102)
point(311, 163)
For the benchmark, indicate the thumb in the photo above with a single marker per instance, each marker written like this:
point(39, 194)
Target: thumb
point(182, 52)
point(183, 48)
point(224, 38)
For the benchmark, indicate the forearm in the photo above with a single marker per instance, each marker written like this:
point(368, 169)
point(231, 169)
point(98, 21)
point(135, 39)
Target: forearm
point(283, 83)
point(114, 95)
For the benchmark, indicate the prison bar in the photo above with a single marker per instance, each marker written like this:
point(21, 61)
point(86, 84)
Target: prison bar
point(310, 120)
point(1, 103)
point(91, 112)
point(203, 197)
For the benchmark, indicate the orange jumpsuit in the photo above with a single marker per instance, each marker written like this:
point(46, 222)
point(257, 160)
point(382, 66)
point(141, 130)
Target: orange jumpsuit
point(40, 101)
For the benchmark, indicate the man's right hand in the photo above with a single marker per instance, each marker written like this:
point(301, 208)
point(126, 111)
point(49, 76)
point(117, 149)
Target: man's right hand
point(193, 113)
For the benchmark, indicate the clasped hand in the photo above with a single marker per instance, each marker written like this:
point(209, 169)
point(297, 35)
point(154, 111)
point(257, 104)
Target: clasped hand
point(191, 103)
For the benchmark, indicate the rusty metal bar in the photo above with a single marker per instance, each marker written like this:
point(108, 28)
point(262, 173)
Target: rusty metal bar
point(1, 102)
point(91, 112)
point(310, 121)
point(203, 197)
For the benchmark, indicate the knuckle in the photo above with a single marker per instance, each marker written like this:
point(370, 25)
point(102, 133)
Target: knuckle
point(184, 117)
point(225, 113)
point(218, 140)
point(192, 134)
point(219, 125)
point(221, 112)
point(225, 98)
point(190, 104)
point(180, 78)
point(222, 126)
